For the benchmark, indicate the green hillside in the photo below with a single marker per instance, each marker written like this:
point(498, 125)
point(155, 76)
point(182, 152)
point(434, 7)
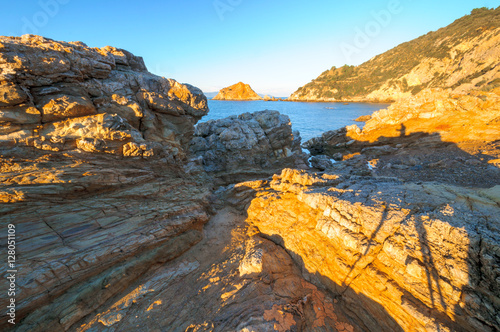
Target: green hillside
point(445, 48)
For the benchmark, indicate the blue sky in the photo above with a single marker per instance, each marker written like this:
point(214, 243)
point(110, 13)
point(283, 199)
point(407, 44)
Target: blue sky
point(275, 46)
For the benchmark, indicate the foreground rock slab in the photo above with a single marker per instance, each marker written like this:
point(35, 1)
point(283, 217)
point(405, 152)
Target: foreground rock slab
point(427, 253)
point(233, 280)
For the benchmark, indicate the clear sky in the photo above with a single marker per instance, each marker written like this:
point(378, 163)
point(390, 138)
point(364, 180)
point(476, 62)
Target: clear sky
point(275, 46)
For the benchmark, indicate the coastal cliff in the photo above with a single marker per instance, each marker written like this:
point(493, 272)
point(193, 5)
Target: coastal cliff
point(463, 56)
point(131, 216)
point(238, 91)
point(93, 149)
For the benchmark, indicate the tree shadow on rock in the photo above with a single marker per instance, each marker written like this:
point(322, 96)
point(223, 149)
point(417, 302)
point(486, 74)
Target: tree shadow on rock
point(429, 261)
point(417, 156)
point(365, 313)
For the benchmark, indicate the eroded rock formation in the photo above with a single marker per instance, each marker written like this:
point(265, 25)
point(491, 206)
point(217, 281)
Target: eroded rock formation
point(233, 280)
point(238, 91)
point(428, 253)
point(122, 224)
point(260, 143)
point(433, 136)
point(92, 157)
point(97, 181)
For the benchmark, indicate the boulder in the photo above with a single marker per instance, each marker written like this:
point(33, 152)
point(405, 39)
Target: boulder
point(363, 118)
point(250, 144)
point(321, 162)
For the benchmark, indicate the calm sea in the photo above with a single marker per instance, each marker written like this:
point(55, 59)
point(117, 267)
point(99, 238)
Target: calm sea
point(311, 119)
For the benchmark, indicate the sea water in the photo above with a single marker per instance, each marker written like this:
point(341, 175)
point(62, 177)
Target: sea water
point(311, 119)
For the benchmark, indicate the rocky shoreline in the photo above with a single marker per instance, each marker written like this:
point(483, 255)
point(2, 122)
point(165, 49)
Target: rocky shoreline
point(129, 216)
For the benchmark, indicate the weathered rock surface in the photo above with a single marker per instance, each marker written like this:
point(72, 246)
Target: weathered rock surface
point(321, 162)
point(107, 182)
point(93, 149)
point(260, 143)
point(433, 136)
point(51, 91)
point(238, 91)
point(363, 118)
point(427, 253)
point(233, 280)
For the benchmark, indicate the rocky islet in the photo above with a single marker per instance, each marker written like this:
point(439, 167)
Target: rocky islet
point(238, 91)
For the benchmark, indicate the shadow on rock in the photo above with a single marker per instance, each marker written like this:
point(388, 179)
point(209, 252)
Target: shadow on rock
point(421, 256)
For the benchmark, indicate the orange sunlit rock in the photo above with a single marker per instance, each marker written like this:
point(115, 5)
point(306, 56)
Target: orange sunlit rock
point(238, 91)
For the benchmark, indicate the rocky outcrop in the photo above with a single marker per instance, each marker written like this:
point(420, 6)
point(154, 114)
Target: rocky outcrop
point(238, 91)
point(427, 253)
point(110, 188)
point(407, 217)
point(271, 98)
point(456, 118)
point(251, 144)
point(52, 90)
point(93, 155)
point(462, 56)
point(433, 136)
point(233, 280)
point(363, 118)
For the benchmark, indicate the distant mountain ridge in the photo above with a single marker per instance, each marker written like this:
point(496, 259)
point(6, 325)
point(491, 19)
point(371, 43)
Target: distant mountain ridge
point(463, 56)
point(210, 95)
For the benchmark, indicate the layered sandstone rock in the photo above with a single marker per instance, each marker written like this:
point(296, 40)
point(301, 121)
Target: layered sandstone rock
point(107, 181)
point(250, 144)
point(93, 149)
point(52, 91)
point(233, 280)
point(396, 219)
point(238, 91)
point(456, 118)
point(427, 253)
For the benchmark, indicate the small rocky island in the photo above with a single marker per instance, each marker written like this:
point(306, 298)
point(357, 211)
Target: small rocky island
point(238, 91)
point(129, 216)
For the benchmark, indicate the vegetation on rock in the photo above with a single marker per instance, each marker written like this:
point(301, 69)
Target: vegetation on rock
point(462, 56)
